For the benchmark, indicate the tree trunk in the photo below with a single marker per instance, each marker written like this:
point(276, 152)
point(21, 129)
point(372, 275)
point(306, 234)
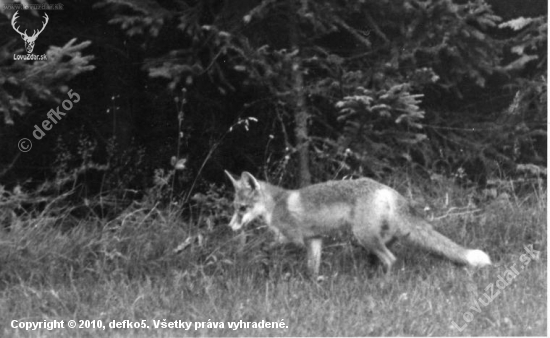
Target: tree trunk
point(301, 115)
point(301, 131)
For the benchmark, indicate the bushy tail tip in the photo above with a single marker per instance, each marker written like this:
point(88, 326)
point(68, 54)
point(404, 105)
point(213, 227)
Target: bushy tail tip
point(477, 258)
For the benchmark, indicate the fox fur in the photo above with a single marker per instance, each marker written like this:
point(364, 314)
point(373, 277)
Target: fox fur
point(377, 215)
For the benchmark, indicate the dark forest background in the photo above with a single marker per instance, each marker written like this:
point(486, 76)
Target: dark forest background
point(174, 92)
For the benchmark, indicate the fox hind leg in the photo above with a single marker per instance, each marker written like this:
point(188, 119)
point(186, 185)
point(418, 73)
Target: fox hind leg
point(372, 240)
point(384, 254)
point(374, 259)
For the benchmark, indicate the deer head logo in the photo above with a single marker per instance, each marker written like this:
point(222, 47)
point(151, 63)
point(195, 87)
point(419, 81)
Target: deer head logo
point(29, 40)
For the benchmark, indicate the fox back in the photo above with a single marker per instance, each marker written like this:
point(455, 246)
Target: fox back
point(376, 214)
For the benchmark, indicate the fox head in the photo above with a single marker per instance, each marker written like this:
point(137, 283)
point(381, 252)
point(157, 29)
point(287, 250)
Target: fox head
point(249, 200)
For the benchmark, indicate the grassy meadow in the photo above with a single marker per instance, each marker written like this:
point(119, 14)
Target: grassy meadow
point(155, 267)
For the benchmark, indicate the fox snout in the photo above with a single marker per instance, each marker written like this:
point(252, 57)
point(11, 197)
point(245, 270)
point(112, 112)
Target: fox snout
point(242, 216)
point(236, 222)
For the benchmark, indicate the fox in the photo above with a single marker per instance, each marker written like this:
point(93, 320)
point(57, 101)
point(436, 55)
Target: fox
point(377, 215)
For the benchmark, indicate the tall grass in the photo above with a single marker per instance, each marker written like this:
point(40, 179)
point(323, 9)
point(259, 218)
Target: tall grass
point(154, 264)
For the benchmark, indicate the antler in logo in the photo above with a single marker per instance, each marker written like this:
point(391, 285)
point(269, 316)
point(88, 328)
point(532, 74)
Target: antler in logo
point(29, 40)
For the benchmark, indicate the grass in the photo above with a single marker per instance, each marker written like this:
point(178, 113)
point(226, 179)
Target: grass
point(147, 264)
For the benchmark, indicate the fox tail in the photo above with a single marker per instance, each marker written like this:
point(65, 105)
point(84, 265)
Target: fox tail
point(423, 234)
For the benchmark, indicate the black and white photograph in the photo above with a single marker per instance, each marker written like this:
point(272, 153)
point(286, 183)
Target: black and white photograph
point(273, 168)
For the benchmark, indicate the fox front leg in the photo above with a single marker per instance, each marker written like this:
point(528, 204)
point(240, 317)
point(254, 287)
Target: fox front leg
point(314, 249)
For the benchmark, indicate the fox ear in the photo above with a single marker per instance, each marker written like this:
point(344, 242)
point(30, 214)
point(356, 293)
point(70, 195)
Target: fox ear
point(234, 178)
point(250, 181)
